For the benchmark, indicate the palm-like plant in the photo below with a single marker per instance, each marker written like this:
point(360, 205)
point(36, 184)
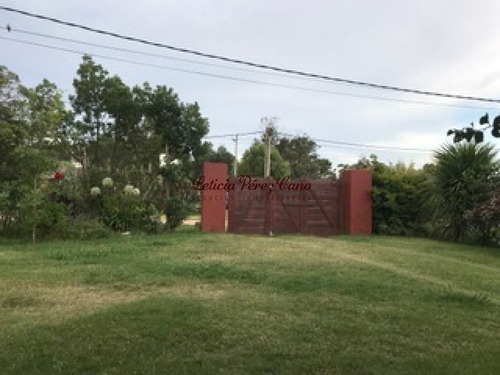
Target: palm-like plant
point(460, 180)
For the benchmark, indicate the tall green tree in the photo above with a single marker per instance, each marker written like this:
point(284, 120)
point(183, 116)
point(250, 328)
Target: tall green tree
point(178, 126)
point(46, 114)
point(221, 155)
point(12, 134)
point(124, 137)
point(164, 111)
point(301, 154)
point(178, 129)
point(89, 103)
point(252, 162)
point(28, 117)
point(12, 125)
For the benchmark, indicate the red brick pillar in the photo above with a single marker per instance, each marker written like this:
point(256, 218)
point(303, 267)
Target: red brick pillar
point(356, 201)
point(213, 201)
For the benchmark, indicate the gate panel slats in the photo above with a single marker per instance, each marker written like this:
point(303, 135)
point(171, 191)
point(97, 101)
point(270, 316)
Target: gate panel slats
point(285, 211)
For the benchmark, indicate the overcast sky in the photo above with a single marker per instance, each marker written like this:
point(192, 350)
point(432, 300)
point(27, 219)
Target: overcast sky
point(445, 46)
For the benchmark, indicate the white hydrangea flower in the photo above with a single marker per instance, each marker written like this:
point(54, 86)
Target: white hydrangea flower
point(107, 182)
point(95, 191)
point(128, 189)
point(136, 192)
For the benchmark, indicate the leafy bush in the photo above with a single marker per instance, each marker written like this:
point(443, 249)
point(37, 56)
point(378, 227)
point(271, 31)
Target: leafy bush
point(484, 219)
point(41, 216)
point(123, 209)
point(85, 228)
point(397, 198)
point(397, 194)
point(124, 212)
point(177, 210)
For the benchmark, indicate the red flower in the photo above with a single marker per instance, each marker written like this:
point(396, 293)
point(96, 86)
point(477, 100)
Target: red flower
point(58, 176)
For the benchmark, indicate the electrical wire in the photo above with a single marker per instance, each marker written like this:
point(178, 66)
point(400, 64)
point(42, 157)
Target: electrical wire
point(332, 142)
point(127, 50)
point(248, 63)
point(232, 135)
point(238, 79)
point(361, 145)
point(337, 143)
point(10, 29)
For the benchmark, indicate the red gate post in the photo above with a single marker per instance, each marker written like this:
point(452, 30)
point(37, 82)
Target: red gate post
point(356, 201)
point(213, 199)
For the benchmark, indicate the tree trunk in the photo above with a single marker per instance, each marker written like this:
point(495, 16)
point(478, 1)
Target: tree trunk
point(167, 186)
point(33, 229)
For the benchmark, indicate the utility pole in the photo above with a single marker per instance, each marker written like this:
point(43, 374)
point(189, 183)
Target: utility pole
point(265, 153)
point(268, 153)
point(269, 123)
point(235, 140)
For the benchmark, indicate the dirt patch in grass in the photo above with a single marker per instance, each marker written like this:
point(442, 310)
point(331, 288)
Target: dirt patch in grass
point(60, 302)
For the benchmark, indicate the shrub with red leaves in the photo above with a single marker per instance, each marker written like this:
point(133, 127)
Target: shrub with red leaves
point(486, 218)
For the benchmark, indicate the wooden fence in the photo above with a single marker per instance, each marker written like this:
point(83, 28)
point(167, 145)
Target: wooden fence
point(304, 206)
point(313, 209)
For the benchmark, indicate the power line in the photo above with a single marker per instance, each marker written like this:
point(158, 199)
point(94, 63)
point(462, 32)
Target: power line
point(213, 75)
point(127, 50)
point(336, 144)
point(361, 145)
point(331, 142)
point(232, 135)
point(238, 79)
point(248, 63)
point(10, 29)
point(365, 145)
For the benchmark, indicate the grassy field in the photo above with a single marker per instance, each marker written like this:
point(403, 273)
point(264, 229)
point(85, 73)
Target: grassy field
point(194, 303)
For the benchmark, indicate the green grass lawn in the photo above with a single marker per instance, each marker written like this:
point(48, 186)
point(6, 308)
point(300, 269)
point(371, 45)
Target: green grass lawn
point(194, 303)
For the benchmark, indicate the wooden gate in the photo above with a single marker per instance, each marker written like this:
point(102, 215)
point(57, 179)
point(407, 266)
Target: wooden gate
point(312, 210)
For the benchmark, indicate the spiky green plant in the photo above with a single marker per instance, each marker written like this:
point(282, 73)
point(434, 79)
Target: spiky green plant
point(460, 180)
